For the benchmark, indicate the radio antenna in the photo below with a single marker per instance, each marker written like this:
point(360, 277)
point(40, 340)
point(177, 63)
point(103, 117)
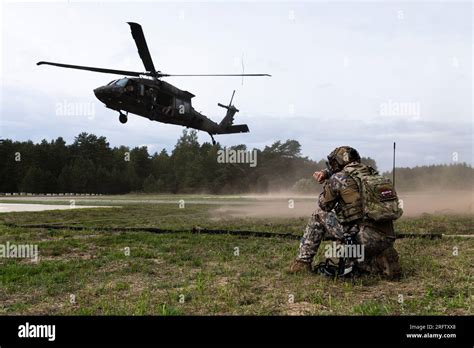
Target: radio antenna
point(393, 169)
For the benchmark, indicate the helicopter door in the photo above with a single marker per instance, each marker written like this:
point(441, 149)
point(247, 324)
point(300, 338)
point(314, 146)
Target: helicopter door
point(165, 102)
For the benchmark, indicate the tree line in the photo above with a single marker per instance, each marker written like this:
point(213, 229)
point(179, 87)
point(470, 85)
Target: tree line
point(455, 176)
point(91, 165)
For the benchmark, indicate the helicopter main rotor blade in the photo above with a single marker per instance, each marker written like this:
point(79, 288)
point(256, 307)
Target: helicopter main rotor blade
point(166, 75)
point(101, 70)
point(142, 47)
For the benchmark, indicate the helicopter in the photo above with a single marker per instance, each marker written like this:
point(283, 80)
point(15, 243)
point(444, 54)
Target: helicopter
point(147, 95)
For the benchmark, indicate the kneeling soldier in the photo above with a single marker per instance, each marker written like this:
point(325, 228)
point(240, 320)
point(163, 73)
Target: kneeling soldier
point(354, 198)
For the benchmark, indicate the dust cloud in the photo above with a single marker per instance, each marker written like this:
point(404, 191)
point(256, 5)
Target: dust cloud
point(285, 205)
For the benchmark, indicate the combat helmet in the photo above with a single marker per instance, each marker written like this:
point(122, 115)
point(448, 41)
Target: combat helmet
point(342, 156)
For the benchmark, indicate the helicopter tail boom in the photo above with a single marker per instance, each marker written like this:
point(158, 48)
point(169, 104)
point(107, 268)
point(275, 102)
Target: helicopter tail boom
point(238, 128)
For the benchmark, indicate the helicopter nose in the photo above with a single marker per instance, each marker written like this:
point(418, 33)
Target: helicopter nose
point(101, 93)
point(106, 93)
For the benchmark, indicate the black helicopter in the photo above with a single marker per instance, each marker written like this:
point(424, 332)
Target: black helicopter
point(148, 96)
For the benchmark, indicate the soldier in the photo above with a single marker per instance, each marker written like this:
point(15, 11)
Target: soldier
point(341, 209)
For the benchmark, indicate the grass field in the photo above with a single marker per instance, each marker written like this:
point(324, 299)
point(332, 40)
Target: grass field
point(138, 273)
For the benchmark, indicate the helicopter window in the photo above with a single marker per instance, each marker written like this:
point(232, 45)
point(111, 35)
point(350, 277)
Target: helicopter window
point(130, 86)
point(111, 82)
point(121, 82)
point(183, 106)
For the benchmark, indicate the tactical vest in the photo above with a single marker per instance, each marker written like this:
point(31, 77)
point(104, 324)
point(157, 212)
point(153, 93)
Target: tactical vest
point(378, 199)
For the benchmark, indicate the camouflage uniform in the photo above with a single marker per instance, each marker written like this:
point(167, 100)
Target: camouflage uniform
point(339, 202)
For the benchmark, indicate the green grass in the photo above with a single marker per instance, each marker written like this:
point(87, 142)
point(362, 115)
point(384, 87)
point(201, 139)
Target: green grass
point(189, 274)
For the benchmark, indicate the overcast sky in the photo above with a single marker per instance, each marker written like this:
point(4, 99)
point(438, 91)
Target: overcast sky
point(363, 74)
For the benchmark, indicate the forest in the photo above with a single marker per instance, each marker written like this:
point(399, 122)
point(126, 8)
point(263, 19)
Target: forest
point(91, 165)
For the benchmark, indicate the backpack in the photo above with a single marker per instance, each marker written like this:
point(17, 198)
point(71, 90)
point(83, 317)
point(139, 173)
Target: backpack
point(379, 198)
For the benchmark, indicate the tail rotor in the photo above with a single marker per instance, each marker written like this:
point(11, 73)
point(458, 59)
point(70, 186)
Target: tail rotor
point(228, 120)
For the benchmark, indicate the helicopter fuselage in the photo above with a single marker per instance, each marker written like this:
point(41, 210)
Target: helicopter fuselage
point(156, 100)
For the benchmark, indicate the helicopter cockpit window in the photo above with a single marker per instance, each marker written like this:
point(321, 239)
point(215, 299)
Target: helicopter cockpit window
point(121, 82)
point(111, 82)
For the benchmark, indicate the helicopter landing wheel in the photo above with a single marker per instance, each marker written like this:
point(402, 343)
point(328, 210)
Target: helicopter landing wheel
point(123, 118)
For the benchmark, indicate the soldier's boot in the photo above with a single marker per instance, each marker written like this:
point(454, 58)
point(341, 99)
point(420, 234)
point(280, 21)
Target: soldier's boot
point(299, 266)
point(388, 264)
point(367, 267)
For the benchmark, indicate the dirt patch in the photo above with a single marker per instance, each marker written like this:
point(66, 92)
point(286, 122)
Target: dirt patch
point(221, 281)
point(304, 308)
